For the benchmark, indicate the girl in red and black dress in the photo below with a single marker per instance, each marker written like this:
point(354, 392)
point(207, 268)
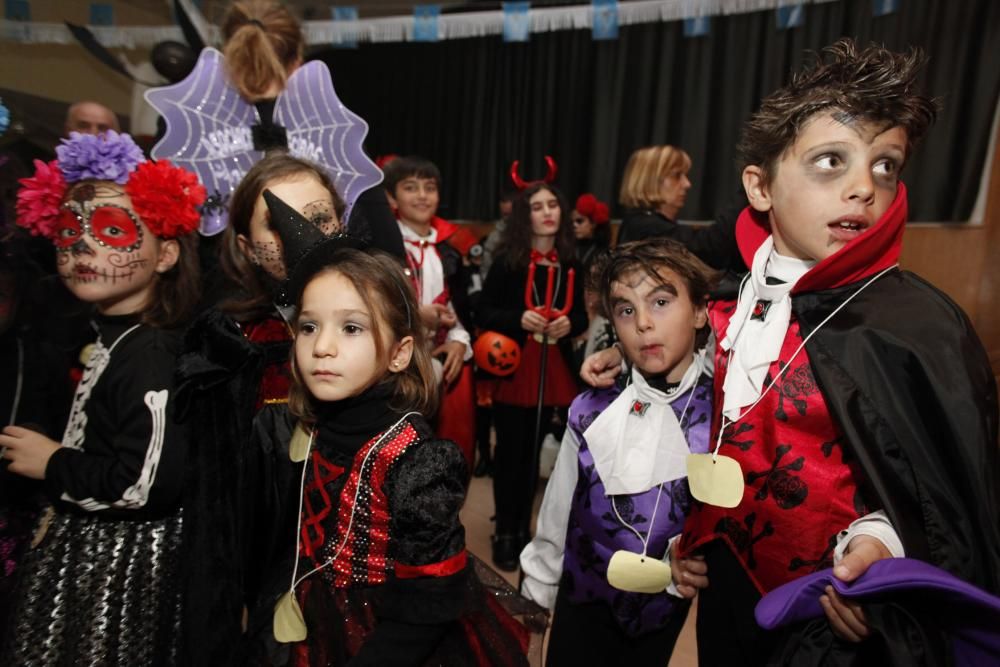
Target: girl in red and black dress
point(379, 574)
point(539, 231)
point(235, 369)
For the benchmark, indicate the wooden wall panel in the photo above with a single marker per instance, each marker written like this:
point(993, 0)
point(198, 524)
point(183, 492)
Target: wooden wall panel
point(950, 257)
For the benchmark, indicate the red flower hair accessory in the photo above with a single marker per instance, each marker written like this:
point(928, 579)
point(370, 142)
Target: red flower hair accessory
point(39, 199)
point(590, 206)
point(166, 198)
point(601, 214)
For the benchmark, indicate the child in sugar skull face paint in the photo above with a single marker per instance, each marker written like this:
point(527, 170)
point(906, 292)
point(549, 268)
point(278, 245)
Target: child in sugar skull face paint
point(105, 253)
point(122, 228)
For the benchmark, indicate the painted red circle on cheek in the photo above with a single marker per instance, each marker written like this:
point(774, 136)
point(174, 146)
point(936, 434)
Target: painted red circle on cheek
point(113, 226)
point(67, 229)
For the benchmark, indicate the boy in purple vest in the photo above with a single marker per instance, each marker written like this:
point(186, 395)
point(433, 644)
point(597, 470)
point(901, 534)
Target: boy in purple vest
point(618, 493)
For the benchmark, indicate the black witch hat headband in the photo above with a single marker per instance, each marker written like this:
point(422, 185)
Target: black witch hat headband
point(299, 236)
point(307, 250)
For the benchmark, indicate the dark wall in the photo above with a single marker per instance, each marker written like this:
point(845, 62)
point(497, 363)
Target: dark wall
point(473, 106)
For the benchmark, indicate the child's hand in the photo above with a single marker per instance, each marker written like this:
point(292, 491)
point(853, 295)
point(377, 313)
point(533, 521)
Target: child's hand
point(689, 574)
point(558, 328)
point(846, 617)
point(454, 351)
point(28, 451)
point(446, 316)
point(601, 368)
point(437, 315)
point(533, 322)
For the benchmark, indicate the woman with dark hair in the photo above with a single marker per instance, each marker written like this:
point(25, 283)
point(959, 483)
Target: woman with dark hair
point(539, 235)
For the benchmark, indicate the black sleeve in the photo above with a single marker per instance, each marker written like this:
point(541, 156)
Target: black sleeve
point(578, 313)
point(140, 468)
point(640, 227)
point(497, 311)
point(715, 244)
point(426, 490)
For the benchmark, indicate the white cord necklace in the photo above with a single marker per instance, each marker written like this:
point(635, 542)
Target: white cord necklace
point(726, 423)
point(347, 533)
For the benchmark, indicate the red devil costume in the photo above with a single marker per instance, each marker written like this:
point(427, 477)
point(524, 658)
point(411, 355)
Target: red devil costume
point(890, 405)
point(500, 308)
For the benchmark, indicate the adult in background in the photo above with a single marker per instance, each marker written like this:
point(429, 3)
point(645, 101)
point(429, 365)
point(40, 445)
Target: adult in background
point(653, 191)
point(89, 117)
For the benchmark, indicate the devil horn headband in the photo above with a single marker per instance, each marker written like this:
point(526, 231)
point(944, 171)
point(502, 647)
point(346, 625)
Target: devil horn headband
point(521, 184)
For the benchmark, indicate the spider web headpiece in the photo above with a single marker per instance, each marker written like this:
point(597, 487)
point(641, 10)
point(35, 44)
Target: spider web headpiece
point(210, 130)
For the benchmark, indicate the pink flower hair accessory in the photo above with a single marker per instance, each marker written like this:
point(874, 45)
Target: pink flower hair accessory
point(39, 199)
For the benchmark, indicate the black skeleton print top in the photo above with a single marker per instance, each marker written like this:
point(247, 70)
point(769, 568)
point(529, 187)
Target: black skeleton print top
point(123, 453)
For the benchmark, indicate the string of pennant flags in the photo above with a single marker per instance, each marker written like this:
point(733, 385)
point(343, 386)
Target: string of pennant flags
point(515, 22)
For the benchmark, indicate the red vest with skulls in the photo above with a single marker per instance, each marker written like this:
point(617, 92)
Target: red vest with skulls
point(800, 490)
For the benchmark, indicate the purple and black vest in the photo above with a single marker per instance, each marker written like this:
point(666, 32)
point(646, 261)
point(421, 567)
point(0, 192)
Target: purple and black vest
point(594, 532)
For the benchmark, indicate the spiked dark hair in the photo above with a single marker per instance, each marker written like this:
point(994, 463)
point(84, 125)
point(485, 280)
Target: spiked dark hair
point(649, 256)
point(874, 85)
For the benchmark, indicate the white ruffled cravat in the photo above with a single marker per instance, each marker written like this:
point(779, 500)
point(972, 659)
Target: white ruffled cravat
point(637, 441)
point(755, 342)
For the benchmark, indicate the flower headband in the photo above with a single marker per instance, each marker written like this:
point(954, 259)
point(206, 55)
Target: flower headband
point(590, 206)
point(166, 198)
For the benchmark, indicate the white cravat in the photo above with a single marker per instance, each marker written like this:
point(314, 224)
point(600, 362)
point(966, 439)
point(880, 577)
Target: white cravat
point(637, 441)
point(755, 342)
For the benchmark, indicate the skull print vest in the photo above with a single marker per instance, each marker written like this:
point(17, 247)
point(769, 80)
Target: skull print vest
point(801, 488)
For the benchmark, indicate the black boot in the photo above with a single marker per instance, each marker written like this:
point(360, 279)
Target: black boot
point(506, 552)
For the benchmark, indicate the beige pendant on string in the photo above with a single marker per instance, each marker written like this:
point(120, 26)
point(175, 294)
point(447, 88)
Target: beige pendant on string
point(298, 448)
point(636, 573)
point(716, 480)
point(289, 624)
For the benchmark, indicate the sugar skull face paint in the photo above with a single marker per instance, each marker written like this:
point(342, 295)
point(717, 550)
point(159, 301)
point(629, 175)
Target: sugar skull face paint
point(106, 255)
point(110, 225)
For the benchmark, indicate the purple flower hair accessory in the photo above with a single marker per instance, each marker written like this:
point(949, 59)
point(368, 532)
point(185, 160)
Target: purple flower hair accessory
point(107, 157)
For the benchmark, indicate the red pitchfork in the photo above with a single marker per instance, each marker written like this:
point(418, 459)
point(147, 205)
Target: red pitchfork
point(549, 314)
point(546, 311)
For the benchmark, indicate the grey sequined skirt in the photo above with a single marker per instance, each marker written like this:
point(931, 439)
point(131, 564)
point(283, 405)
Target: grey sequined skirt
point(98, 591)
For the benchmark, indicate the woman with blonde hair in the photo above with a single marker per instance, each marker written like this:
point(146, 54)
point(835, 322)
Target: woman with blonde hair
point(654, 189)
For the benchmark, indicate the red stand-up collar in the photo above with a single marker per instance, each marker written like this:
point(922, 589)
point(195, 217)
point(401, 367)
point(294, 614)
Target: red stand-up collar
point(873, 251)
point(444, 228)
